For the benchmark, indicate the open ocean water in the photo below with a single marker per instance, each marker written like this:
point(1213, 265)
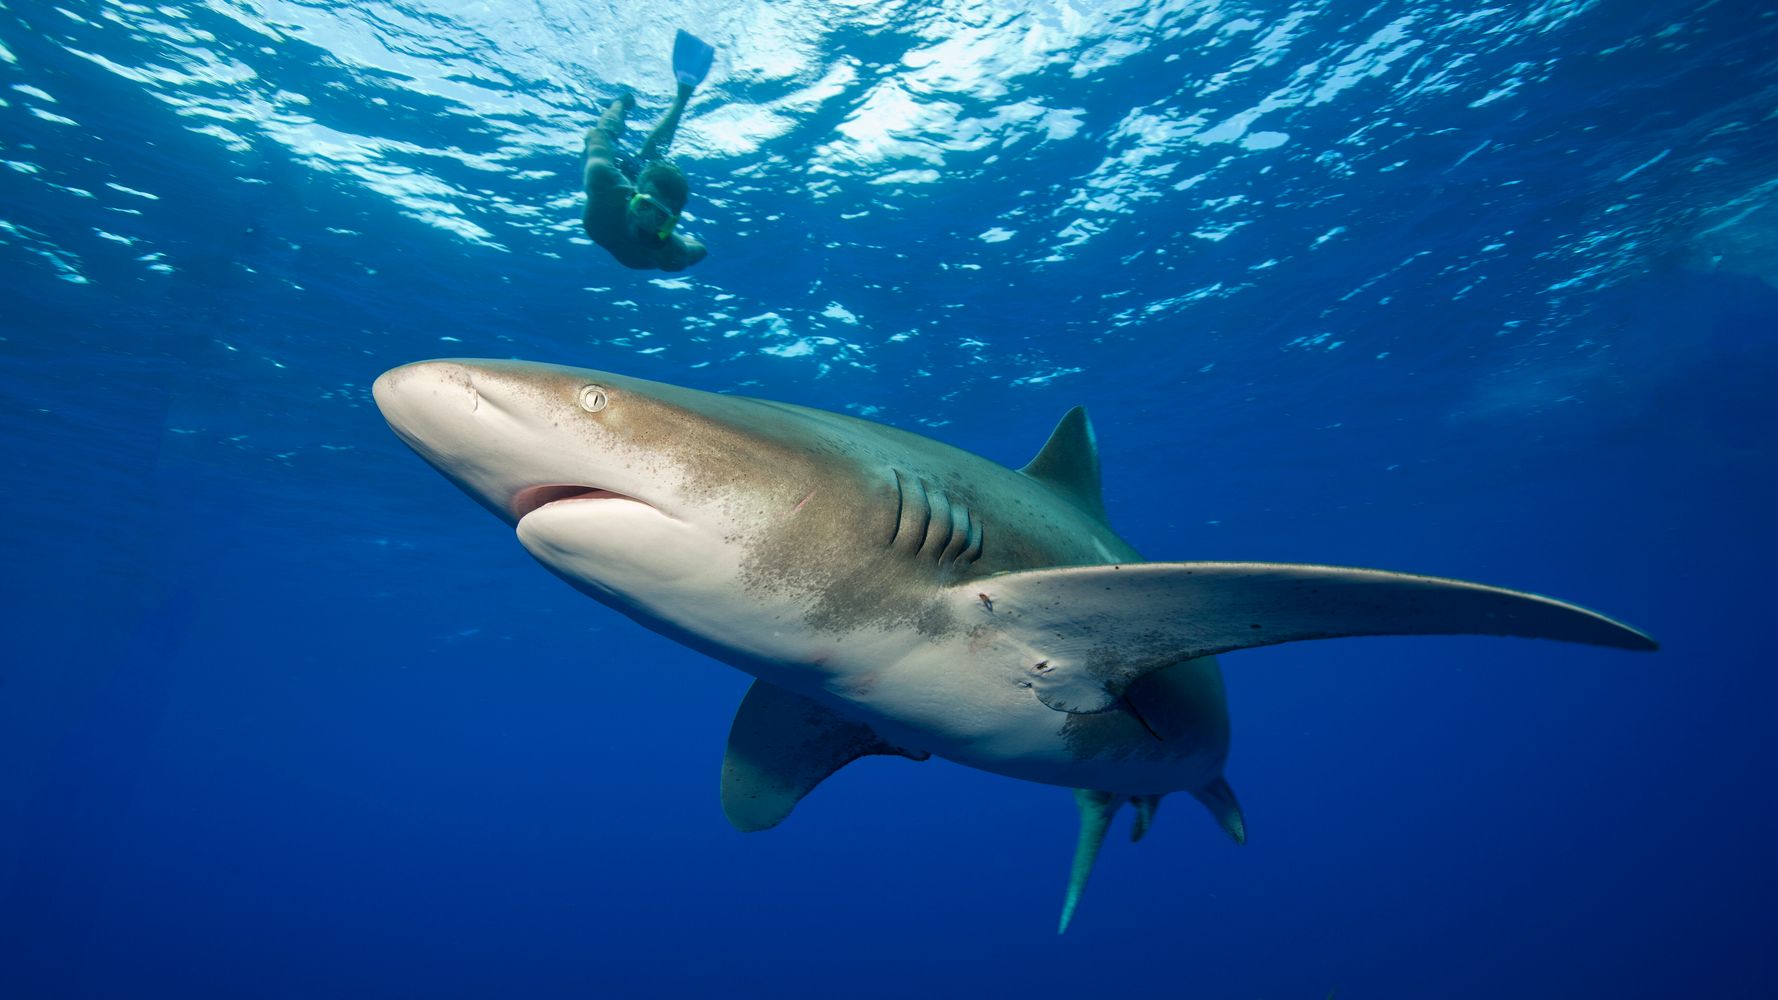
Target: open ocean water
point(1487, 292)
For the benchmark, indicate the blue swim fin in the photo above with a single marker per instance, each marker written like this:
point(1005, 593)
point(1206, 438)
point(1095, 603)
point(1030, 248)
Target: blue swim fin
point(691, 58)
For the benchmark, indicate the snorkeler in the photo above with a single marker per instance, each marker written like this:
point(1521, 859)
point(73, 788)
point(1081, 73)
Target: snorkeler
point(633, 205)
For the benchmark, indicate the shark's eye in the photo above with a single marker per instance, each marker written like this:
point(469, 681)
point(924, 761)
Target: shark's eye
point(592, 398)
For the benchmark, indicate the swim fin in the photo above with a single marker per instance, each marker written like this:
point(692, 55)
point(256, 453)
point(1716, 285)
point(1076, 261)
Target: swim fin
point(691, 58)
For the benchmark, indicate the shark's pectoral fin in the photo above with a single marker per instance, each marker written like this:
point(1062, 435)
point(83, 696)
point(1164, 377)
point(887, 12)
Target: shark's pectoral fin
point(780, 747)
point(1093, 630)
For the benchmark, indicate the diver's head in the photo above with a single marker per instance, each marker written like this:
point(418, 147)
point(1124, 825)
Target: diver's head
point(661, 191)
point(649, 218)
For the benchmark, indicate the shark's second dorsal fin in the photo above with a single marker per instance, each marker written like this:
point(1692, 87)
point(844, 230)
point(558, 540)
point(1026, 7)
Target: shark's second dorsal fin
point(1069, 463)
point(780, 747)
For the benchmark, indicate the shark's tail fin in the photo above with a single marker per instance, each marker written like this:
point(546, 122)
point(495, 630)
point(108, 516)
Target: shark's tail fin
point(1219, 798)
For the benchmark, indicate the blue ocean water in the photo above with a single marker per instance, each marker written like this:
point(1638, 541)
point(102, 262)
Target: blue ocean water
point(1484, 292)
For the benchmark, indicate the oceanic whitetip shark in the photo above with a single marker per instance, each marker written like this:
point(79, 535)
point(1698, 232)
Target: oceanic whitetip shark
point(895, 595)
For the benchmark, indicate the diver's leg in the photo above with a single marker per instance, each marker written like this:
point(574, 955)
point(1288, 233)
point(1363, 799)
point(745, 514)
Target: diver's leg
point(662, 136)
point(600, 147)
point(610, 124)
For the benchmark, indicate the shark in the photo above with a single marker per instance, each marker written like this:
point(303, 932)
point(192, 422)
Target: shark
point(894, 595)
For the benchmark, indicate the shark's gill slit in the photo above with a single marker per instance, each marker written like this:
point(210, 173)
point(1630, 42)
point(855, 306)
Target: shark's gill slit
point(977, 533)
point(938, 524)
point(916, 514)
point(922, 509)
point(901, 503)
point(959, 535)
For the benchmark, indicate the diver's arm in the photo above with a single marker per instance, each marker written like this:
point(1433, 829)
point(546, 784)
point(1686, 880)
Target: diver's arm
point(681, 253)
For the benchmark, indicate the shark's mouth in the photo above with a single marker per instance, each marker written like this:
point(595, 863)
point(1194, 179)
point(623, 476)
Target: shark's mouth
point(533, 498)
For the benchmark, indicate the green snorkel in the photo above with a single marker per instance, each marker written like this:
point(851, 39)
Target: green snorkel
point(672, 217)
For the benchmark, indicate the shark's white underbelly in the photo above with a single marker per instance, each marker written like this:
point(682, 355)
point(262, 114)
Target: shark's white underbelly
point(966, 705)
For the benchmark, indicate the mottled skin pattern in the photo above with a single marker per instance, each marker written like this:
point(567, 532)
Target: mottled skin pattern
point(817, 551)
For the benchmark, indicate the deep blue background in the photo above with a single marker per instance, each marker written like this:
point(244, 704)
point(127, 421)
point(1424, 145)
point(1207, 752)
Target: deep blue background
point(283, 715)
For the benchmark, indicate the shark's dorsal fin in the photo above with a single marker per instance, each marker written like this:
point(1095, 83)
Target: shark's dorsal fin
point(1069, 463)
point(1093, 631)
point(780, 747)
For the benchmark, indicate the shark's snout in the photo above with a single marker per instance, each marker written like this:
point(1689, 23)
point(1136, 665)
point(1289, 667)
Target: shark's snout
point(503, 431)
point(443, 410)
point(413, 395)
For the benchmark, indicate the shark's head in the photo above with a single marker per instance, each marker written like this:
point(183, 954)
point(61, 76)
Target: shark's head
point(650, 497)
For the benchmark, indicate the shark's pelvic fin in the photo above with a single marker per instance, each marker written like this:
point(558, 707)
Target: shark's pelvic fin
point(1219, 798)
point(1093, 630)
point(1069, 463)
point(780, 747)
point(1096, 810)
point(1145, 807)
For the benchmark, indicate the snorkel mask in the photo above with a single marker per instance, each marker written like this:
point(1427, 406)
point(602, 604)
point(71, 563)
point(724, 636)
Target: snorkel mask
point(672, 218)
